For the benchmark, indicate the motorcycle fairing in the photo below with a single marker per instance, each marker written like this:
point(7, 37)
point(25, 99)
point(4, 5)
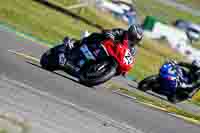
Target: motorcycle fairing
point(121, 53)
point(87, 53)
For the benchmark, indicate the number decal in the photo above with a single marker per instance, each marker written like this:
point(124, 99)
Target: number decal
point(87, 52)
point(128, 58)
point(62, 59)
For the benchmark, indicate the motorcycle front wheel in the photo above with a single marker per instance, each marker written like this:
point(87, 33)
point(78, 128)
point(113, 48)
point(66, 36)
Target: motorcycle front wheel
point(148, 83)
point(97, 72)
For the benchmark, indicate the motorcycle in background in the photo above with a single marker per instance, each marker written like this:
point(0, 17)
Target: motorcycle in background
point(172, 73)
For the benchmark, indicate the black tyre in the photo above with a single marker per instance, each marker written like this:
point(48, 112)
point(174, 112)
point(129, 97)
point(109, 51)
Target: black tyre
point(148, 83)
point(48, 61)
point(179, 96)
point(97, 72)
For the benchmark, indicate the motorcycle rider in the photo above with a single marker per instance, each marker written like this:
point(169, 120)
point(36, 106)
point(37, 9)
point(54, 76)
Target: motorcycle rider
point(134, 35)
point(188, 78)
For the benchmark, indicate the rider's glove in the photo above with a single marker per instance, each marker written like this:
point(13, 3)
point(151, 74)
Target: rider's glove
point(109, 35)
point(185, 86)
point(133, 51)
point(69, 43)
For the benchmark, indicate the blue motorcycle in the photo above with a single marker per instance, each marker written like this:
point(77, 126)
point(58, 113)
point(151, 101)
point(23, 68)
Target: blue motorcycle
point(168, 80)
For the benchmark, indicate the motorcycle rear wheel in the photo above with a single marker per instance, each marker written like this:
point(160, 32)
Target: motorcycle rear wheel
point(97, 72)
point(48, 61)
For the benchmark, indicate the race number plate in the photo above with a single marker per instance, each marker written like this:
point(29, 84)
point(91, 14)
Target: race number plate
point(128, 58)
point(62, 59)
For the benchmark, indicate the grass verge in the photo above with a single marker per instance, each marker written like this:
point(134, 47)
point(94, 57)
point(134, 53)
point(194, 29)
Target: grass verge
point(31, 17)
point(38, 20)
point(151, 55)
point(3, 130)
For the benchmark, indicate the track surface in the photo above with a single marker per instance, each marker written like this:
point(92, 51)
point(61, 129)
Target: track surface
point(96, 99)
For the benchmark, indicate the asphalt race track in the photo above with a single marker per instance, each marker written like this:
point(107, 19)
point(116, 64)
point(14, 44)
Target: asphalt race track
point(99, 100)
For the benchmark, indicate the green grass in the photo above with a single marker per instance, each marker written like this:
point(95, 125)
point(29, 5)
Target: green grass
point(33, 18)
point(65, 2)
point(197, 97)
point(163, 12)
point(92, 15)
point(3, 130)
point(192, 3)
point(150, 56)
point(30, 17)
point(195, 102)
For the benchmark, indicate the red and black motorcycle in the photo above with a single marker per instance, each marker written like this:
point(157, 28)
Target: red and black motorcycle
point(92, 64)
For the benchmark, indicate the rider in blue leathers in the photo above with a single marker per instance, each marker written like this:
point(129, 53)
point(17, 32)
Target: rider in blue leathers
point(174, 76)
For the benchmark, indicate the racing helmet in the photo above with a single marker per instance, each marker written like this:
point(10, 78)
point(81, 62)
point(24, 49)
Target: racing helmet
point(168, 76)
point(135, 34)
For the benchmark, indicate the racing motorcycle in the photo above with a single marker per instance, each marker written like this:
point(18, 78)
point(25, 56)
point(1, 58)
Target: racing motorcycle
point(91, 64)
point(169, 73)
